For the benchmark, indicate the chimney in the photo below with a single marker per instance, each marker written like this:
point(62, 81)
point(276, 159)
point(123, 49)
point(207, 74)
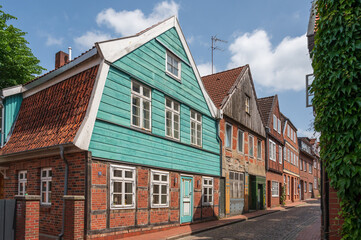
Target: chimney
point(61, 58)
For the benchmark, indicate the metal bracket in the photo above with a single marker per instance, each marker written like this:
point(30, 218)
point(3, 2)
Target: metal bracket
point(3, 172)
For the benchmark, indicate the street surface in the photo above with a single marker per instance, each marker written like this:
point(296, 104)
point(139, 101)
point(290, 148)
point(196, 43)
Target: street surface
point(286, 224)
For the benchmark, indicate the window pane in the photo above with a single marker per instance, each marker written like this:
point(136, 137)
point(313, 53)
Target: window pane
point(49, 186)
point(135, 110)
point(50, 173)
point(128, 187)
point(43, 173)
point(117, 187)
point(43, 198)
point(193, 114)
point(205, 198)
point(44, 186)
point(117, 173)
point(164, 178)
point(136, 87)
point(156, 177)
point(49, 197)
point(156, 189)
point(146, 92)
point(210, 198)
point(199, 118)
point(128, 199)
point(168, 103)
point(164, 189)
point(164, 199)
point(176, 106)
point(21, 188)
point(117, 199)
point(228, 135)
point(128, 174)
point(155, 199)
point(205, 191)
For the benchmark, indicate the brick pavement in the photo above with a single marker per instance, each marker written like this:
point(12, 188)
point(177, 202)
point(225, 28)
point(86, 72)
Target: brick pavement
point(186, 230)
point(312, 232)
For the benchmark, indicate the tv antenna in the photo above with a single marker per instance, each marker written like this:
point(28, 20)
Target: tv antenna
point(214, 47)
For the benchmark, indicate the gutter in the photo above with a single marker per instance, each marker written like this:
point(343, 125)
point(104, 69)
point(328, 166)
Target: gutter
point(65, 189)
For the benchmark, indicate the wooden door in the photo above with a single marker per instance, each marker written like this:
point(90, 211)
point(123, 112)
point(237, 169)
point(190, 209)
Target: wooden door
point(186, 199)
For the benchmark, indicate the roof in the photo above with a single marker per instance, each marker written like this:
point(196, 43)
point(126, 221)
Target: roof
point(284, 119)
point(265, 105)
point(53, 115)
point(219, 85)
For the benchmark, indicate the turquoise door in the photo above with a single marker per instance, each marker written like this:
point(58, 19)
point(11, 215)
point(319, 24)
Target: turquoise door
point(186, 199)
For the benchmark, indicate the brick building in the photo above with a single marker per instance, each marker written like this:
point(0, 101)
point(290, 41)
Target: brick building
point(291, 171)
point(271, 117)
point(118, 140)
point(306, 168)
point(243, 140)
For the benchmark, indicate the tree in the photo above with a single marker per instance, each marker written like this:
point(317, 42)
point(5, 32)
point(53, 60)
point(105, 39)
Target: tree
point(337, 102)
point(18, 65)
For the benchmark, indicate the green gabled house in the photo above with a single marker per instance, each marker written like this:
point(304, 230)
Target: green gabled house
point(127, 129)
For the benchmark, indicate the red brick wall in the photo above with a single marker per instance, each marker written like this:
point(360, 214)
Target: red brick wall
point(273, 201)
point(117, 222)
point(50, 216)
point(306, 176)
point(27, 219)
point(334, 208)
point(293, 195)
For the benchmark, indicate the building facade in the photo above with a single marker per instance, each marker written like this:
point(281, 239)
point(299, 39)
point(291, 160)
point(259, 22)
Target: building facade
point(271, 117)
point(243, 140)
point(307, 171)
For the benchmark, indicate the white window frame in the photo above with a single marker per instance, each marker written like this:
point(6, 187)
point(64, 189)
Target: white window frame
point(122, 180)
point(247, 102)
point(178, 67)
point(196, 122)
point(22, 182)
point(47, 179)
point(142, 99)
point(240, 136)
point(229, 138)
point(274, 189)
point(161, 183)
point(314, 164)
point(272, 150)
point(208, 186)
point(301, 165)
point(279, 126)
point(275, 123)
point(310, 187)
point(173, 113)
point(309, 168)
point(280, 154)
point(250, 145)
point(259, 149)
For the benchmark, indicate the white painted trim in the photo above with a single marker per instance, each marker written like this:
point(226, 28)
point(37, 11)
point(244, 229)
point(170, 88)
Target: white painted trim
point(169, 53)
point(291, 173)
point(82, 137)
point(231, 140)
point(114, 50)
point(152, 182)
point(12, 90)
point(173, 112)
point(141, 106)
point(278, 190)
point(61, 77)
point(238, 131)
point(212, 186)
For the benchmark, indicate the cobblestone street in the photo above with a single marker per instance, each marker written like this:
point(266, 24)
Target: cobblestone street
point(286, 224)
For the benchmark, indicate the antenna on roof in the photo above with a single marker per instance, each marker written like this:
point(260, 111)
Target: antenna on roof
point(214, 47)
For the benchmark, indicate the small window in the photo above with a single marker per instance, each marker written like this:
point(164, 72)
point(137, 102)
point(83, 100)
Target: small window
point(46, 182)
point(305, 166)
point(275, 122)
point(279, 126)
point(173, 65)
point(259, 149)
point(272, 150)
point(160, 189)
point(196, 128)
point(309, 168)
point(275, 192)
point(207, 198)
point(240, 140)
point(122, 187)
point(301, 164)
point(228, 135)
point(172, 125)
point(250, 146)
point(141, 106)
point(305, 186)
point(310, 187)
point(247, 107)
point(280, 154)
point(22, 182)
point(314, 164)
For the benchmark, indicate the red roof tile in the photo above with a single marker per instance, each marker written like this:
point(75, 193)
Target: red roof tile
point(265, 105)
point(218, 85)
point(53, 115)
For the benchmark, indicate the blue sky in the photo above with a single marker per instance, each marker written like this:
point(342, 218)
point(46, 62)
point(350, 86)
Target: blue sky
point(267, 35)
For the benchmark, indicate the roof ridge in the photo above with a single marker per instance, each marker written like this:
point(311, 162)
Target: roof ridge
point(225, 71)
point(272, 96)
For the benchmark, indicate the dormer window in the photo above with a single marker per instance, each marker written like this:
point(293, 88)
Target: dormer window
point(173, 65)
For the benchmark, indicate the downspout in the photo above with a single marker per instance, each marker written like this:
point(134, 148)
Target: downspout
point(65, 189)
point(266, 149)
point(219, 116)
point(2, 123)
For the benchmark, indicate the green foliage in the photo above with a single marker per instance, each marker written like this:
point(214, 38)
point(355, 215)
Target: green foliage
point(337, 102)
point(283, 195)
point(17, 63)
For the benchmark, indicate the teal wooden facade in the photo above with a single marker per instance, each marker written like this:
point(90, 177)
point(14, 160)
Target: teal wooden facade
point(11, 109)
point(113, 136)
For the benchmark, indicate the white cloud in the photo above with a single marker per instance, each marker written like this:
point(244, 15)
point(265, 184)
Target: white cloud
point(308, 133)
point(190, 40)
point(281, 68)
point(50, 41)
point(206, 69)
point(130, 22)
point(87, 40)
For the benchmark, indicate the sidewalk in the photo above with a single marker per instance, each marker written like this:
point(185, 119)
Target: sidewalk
point(187, 230)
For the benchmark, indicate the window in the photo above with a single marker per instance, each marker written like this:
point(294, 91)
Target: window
point(247, 104)
point(250, 143)
point(160, 189)
point(173, 65)
point(207, 191)
point(309, 168)
point(22, 182)
point(310, 187)
point(305, 186)
point(236, 181)
point(240, 141)
point(259, 149)
point(46, 178)
point(196, 128)
point(275, 192)
point(279, 126)
point(288, 185)
point(122, 187)
point(275, 122)
point(228, 135)
point(280, 154)
point(301, 163)
point(315, 182)
point(141, 106)
point(289, 131)
point(314, 164)
point(291, 157)
point(172, 118)
point(272, 150)
point(288, 155)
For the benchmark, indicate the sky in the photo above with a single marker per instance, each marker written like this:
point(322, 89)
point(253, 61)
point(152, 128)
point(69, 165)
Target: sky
point(269, 35)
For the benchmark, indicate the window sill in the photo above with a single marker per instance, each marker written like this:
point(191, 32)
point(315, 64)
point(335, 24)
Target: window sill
point(159, 206)
point(121, 208)
point(178, 79)
point(207, 204)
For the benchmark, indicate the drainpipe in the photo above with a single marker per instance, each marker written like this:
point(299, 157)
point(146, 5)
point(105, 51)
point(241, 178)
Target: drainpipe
point(266, 149)
point(219, 116)
point(2, 123)
point(65, 189)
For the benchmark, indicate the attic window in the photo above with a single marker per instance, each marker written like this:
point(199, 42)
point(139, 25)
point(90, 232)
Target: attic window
point(247, 104)
point(173, 66)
